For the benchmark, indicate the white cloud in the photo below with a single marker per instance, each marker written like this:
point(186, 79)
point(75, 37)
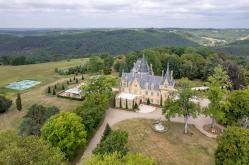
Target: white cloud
point(124, 13)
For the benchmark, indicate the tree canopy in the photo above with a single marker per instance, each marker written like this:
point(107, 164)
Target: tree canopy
point(233, 147)
point(28, 150)
point(92, 111)
point(117, 159)
point(66, 132)
point(237, 108)
point(100, 84)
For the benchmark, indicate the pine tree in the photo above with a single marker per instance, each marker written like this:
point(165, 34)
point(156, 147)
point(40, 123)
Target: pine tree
point(74, 78)
point(70, 80)
point(148, 101)
point(82, 77)
point(126, 104)
point(18, 102)
point(49, 90)
point(120, 103)
point(55, 86)
point(161, 101)
point(136, 106)
point(107, 132)
point(77, 81)
point(67, 82)
point(54, 92)
point(62, 87)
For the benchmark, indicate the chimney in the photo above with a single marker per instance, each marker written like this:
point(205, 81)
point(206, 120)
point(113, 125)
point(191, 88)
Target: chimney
point(171, 75)
point(151, 70)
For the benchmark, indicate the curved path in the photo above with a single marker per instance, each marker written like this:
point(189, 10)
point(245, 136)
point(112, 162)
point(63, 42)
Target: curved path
point(114, 116)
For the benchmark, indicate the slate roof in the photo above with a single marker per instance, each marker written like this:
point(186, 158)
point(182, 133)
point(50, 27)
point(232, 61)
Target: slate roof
point(141, 66)
point(143, 74)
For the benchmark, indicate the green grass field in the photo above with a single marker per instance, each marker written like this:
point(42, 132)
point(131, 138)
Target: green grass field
point(41, 72)
point(172, 147)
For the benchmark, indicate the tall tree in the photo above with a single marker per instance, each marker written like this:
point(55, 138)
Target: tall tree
point(181, 104)
point(66, 132)
point(218, 84)
point(18, 102)
point(235, 74)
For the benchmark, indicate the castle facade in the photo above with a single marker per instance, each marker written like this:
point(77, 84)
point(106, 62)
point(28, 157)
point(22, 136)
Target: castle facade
point(141, 86)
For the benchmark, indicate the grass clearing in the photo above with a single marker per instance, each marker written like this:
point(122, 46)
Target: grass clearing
point(172, 147)
point(36, 95)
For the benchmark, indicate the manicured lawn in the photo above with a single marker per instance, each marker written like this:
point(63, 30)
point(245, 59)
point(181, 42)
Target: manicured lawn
point(41, 72)
point(172, 147)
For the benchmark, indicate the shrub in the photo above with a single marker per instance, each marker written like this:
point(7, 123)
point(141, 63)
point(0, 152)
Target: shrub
point(4, 104)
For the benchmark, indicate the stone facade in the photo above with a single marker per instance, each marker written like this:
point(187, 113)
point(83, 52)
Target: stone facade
point(140, 85)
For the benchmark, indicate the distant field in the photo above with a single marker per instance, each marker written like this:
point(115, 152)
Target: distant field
point(172, 147)
point(41, 72)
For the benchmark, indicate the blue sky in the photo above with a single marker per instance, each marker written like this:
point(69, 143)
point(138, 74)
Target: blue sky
point(124, 13)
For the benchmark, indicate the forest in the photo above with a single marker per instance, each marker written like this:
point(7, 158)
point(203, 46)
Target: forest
point(36, 46)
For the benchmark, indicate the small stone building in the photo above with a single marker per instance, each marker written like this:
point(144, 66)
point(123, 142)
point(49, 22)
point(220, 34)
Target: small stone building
point(141, 86)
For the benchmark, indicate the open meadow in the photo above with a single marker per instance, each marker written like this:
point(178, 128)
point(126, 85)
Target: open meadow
point(171, 147)
point(37, 95)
